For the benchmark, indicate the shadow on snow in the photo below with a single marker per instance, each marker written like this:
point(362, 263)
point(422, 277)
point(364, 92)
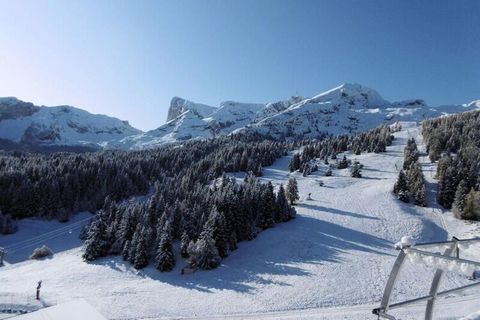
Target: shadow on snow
point(285, 250)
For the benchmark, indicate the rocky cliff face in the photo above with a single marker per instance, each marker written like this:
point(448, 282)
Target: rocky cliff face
point(179, 106)
point(23, 122)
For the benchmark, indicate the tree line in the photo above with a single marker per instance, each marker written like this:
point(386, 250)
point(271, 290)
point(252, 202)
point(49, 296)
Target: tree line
point(208, 221)
point(374, 140)
point(59, 184)
point(454, 142)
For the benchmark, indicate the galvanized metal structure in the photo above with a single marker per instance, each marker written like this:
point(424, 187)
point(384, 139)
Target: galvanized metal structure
point(451, 253)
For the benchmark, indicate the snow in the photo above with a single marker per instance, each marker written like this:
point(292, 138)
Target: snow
point(73, 310)
point(179, 105)
point(407, 241)
point(472, 316)
point(34, 232)
point(67, 126)
point(349, 108)
point(331, 262)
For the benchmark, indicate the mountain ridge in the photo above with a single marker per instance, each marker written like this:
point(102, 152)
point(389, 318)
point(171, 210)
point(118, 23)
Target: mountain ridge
point(346, 109)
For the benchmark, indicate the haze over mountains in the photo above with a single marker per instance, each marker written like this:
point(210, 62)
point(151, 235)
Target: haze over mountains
point(347, 109)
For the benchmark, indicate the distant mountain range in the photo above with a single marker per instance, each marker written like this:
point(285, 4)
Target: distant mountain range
point(349, 108)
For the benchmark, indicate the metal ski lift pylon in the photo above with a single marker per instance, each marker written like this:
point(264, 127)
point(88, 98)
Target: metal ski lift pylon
point(451, 254)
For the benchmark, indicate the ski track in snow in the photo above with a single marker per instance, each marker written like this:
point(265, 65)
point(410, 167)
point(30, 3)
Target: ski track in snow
point(332, 261)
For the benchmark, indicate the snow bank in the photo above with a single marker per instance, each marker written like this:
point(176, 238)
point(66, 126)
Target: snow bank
point(472, 316)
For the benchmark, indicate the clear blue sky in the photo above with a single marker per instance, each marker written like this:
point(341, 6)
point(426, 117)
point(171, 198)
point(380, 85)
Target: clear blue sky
point(128, 58)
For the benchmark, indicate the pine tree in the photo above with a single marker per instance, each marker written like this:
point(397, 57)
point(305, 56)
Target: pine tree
point(203, 253)
point(165, 259)
point(96, 244)
point(292, 190)
point(343, 164)
point(447, 187)
point(185, 241)
point(215, 227)
point(459, 202)
point(140, 260)
point(356, 171)
point(281, 206)
point(294, 163)
point(471, 210)
point(401, 187)
point(420, 197)
point(265, 219)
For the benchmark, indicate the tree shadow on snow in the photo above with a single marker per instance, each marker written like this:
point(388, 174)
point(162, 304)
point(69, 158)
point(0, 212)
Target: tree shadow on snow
point(288, 249)
point(377, 170)
point(336, 211)
point(430, 230)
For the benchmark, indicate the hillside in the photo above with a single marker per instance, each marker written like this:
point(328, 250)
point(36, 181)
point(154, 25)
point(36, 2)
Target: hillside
point(25, 124)
point(336, 254)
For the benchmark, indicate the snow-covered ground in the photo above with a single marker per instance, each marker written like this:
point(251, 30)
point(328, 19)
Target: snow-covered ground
point(33, 233)
point(331, 262)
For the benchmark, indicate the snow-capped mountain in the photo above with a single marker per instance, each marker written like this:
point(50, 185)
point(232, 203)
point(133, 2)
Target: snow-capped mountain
point(347, 109)
point(24, 123)
point(192, 124)
point(179, 106)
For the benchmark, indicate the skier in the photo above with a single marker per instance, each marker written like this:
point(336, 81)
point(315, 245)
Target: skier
point(38, 289)
point(309, 196)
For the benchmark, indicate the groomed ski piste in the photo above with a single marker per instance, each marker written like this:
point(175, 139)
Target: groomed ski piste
point(331, 262)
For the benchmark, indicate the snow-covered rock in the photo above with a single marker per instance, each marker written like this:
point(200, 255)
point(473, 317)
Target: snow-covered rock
point(23, 122)
point(347, 109)
point(192, 124)
point(179, 106)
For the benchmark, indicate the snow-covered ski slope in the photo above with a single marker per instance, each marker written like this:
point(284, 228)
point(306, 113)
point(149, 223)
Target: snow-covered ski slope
point(331, 262)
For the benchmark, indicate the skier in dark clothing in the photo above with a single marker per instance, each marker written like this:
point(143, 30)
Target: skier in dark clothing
point(38, 289)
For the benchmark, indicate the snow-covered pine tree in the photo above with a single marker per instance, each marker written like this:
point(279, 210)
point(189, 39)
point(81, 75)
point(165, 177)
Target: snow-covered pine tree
point(416, 184)
point(267, 202)
point(471, 210)
point(401, 187)
point(281, 204)
point(184, 242)
point(292, 190)
point(294, 163)
point(447, 187)
point(420, 196)
point(203, 253)
point(343, 164)
point(216, 228)
point(96, 244)
point(410, 153)
point(459, 202)
point(356, 171)
point(165, 259)
point(140, 260)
